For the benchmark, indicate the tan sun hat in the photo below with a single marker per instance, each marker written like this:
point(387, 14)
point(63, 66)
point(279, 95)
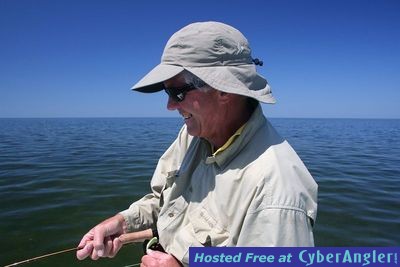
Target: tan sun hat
point(216, 53)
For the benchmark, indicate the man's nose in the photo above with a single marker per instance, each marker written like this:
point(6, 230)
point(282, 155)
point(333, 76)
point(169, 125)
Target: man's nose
point(172, 104)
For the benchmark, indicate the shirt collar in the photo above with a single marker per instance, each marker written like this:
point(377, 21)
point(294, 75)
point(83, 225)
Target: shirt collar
point(239, 140)
point(230, 141)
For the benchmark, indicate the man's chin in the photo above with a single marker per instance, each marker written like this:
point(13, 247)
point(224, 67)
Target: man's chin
point(192, 130)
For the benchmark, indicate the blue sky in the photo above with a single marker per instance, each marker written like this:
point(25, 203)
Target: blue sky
point(323, 59)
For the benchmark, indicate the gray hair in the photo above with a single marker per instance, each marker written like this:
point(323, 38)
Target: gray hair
point(190, 78)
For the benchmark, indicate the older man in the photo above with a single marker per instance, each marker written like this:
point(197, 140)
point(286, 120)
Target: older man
point(228, 179)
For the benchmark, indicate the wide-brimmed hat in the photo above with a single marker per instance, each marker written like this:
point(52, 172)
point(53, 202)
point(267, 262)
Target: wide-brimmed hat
point(216, 53)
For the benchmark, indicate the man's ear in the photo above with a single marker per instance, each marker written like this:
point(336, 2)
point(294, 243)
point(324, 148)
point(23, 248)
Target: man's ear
point(224, 97)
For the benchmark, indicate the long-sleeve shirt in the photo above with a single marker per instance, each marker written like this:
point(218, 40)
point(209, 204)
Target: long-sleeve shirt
point(256, 192)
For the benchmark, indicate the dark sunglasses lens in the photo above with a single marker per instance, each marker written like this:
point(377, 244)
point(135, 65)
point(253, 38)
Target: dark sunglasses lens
point(176, 95)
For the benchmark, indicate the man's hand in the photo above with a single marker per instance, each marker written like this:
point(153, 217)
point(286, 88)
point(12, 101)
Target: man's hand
point(102, 240)
point(159, 259)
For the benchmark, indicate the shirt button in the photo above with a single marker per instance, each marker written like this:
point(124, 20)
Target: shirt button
point(171, 214)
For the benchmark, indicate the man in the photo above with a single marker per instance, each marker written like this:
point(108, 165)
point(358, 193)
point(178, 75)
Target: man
point(228, 179)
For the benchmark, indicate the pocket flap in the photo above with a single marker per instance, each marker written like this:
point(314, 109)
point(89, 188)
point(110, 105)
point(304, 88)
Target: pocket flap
point(207, 230)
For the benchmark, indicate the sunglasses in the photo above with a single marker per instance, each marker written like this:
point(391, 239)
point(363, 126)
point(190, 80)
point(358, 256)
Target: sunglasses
point(178, 93)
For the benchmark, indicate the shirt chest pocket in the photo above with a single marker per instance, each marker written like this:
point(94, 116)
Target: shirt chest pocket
point(171, 216)
point(207, 230)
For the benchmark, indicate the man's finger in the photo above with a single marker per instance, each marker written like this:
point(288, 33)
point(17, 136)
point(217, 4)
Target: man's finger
point(94, 255)
point(157, 254)
point(98, 240)
point(85, 251)
point(86, 238)
point(116, 246)
point(108, 246)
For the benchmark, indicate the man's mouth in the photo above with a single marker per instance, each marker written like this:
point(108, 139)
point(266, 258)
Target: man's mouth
point(186, 116)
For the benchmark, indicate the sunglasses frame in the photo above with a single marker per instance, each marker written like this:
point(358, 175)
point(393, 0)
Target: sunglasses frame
point(178, 93)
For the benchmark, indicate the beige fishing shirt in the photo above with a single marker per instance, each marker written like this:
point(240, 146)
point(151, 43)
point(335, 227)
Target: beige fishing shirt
point(256, 192)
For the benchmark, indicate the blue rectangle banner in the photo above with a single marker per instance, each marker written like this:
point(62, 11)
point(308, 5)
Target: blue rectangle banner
point(294, 256)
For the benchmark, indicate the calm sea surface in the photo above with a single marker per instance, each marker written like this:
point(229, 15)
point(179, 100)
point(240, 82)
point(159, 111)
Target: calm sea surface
point(58, 177)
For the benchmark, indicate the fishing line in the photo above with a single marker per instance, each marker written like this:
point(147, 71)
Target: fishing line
point(52, 254)
point(127, 238)
point(43, 256)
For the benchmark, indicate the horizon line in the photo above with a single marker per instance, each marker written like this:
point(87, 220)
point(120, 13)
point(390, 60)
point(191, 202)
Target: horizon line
point(177, 117)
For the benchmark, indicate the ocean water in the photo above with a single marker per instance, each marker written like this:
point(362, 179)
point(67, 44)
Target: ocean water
point(59, 177)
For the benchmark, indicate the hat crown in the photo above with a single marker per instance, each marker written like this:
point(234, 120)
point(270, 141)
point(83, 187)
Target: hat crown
point(216, 53)
point(206, 44)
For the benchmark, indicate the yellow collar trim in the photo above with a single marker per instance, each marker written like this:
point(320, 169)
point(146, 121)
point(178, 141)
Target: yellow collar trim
point(230, 140)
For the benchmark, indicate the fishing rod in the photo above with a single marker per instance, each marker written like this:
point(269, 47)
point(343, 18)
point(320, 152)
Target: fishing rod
point(134, 237)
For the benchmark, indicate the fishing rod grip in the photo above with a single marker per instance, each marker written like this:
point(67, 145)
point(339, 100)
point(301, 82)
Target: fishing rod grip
point(136, 236)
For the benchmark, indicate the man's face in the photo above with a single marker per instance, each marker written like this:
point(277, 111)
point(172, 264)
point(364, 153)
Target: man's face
point(199, 109)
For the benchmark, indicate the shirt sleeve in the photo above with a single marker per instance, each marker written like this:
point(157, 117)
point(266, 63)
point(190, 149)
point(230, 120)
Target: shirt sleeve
point(276, 222)
point(143, 213)
point(276, 227)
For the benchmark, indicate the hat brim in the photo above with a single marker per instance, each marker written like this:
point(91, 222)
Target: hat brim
point(220, 78)
point(225, 79)
point(153, 81)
